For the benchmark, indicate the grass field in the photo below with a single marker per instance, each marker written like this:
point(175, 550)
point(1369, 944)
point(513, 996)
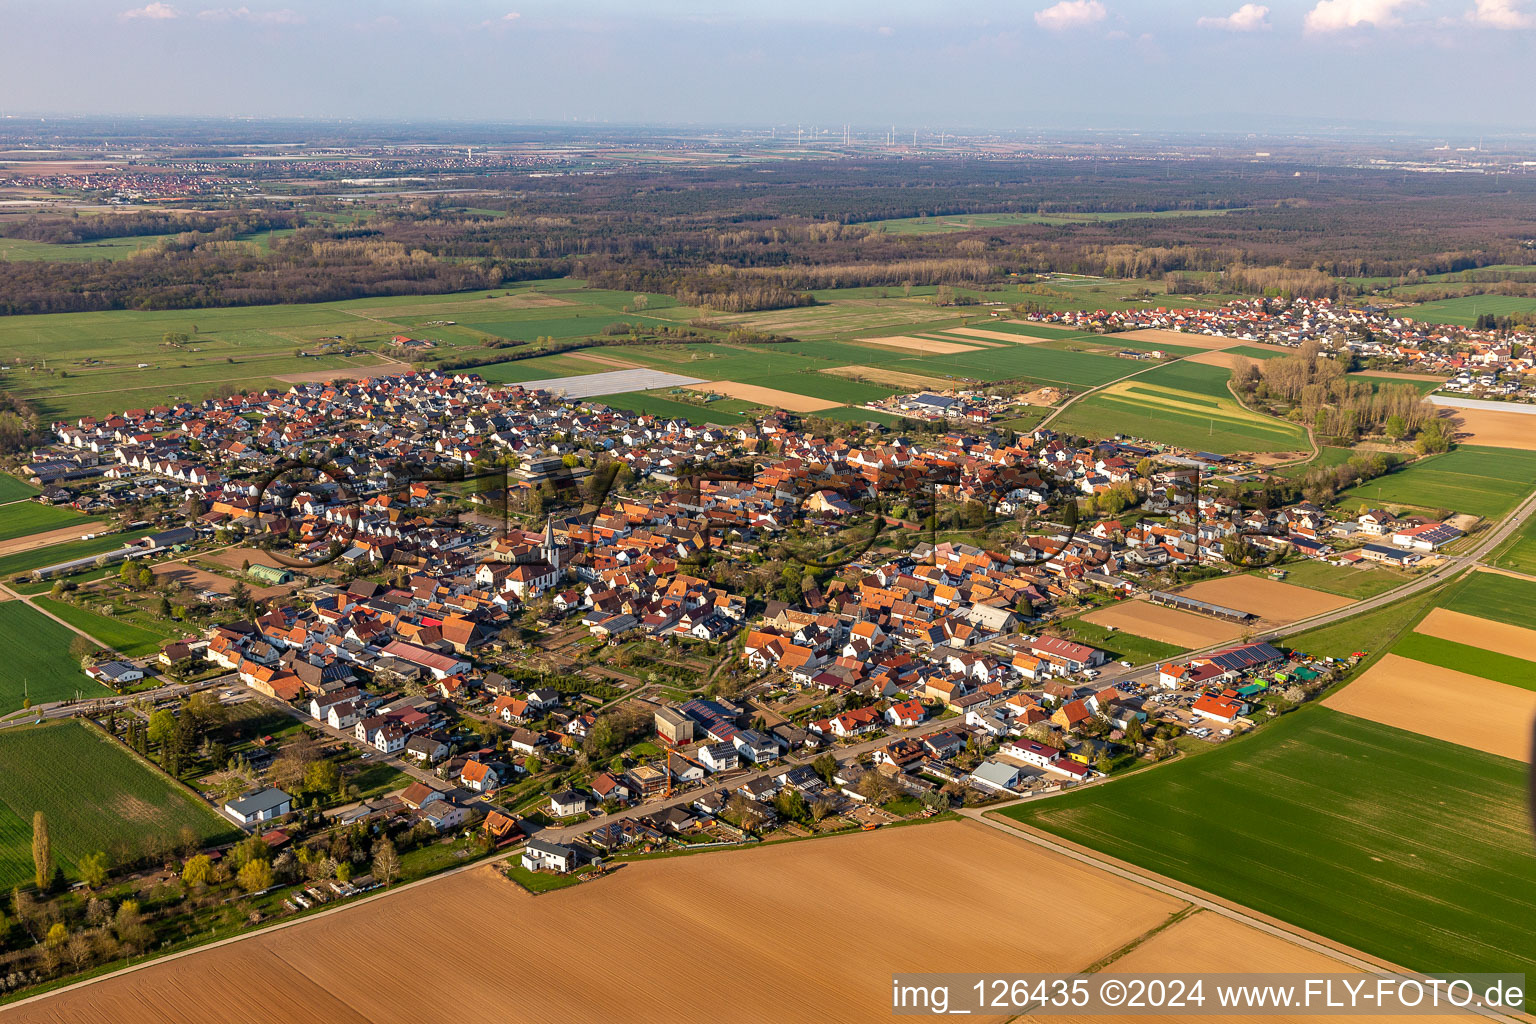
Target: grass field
point(1519, 551)
point(99, 249)
point(1372, 632)
point(1403, 846)
point(1423, 386)
point(128, 638)
point(1465, 310)
point(1119, 643)
point(12, 489)
point(35, 652)
point(24, 518)
point(1327, 455)
point(1185, 404)
point(1333, 579)
point(97, 796)
point(1433, 650)
point(1482, 481)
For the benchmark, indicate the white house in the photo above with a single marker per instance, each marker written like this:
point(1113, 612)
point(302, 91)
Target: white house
point(261, 805)
point(1030, 752)
point(719, 757)
point(542, 856)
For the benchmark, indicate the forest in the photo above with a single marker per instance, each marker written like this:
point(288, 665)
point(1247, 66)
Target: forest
point(764, 235)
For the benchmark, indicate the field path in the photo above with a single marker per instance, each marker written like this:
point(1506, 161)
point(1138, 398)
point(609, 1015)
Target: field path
point(7, 594)
point(32, 541)
point(1064, 406)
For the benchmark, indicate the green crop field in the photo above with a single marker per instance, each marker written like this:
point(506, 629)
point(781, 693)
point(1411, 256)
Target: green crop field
point(35, 652)
point(1345, 582)
point(24, 518)
point(1030, 362)
point(1492, 596)
point(654, 404)
point(1465, 310)
point(96, 795)
point(130, 639)
point(1258, 351)
point(1184, 404)
point(1519, 551)
point(1475, 661)
point(1480, 481)
point(1030, 330)
point(848, 415)
point(1406, 847)
point(12, 489)
point(1119, 341)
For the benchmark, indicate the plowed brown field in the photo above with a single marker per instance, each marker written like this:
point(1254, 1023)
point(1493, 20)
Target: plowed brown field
point(1484, 633)
point(765, 396)
point(1495, 429)
point(1272, 601)
point(1169, 625)
point(1179, 338)
point(790, 932)
point(1439, 702)
point(923, 345)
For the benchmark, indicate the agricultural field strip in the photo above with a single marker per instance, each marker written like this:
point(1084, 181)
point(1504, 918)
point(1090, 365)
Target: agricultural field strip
point(1443, 703)
point(1500, 637)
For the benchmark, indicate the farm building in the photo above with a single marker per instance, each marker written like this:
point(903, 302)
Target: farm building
point(1189, 604)
point(270, 574)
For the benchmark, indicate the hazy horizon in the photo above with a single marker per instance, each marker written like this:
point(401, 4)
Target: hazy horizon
point(1411, 65)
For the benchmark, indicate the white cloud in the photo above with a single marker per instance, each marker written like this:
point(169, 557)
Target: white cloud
point(885, 30)
point(502, 22)
point(151, 12)
point(281, 17)
point(1069, 14)
point(1338, 15)
point(1247, 18)
point(1499, 14)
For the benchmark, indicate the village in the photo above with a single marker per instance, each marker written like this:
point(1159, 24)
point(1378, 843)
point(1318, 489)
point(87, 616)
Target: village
point(1479, 363)
point(592, 648)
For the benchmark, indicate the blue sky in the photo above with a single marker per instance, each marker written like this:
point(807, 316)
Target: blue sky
point(957, 63)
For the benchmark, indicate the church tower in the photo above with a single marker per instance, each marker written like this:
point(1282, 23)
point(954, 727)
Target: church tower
point(549, 547)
